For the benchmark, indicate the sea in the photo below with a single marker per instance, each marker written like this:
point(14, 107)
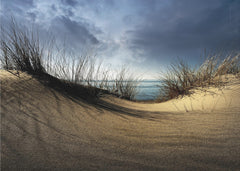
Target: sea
point(148, 90)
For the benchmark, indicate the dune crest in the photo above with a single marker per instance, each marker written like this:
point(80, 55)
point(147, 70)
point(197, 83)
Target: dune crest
point(42, 128)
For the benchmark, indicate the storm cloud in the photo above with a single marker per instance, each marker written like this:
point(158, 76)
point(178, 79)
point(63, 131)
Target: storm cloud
point(54, 18)
point(141, 32)
point(185, 27)
point(76, 33)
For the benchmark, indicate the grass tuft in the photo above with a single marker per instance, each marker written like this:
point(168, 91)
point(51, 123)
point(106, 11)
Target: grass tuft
point(180, 77)
point(21, 50)
point(126, 84)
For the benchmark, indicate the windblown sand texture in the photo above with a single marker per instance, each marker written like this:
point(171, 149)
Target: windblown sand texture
point(42, 128)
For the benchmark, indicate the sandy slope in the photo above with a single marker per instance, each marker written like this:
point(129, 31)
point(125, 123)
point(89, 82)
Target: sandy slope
point(45, 129)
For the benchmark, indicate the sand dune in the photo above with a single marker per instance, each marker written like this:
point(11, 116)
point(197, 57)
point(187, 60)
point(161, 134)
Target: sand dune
point(42, 128)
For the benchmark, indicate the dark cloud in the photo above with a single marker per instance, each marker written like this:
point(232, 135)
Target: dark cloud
point(70, 2)
point(75, 33)
point(56, 19)
point(128, 19)
point(32, 16)
point(98, 2)
point(14, 7)
point(182, 28)
point(16, 3)
point(70, 13)
point(29, 3)
point(19, 10)
point(53, 7)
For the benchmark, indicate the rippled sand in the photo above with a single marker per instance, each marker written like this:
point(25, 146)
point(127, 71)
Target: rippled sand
point(45, 129)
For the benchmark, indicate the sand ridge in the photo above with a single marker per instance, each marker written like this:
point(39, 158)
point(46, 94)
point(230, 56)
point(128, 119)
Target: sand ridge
point(44, 129)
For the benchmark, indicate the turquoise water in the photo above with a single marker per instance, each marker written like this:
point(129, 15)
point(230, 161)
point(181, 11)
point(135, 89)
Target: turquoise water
point(148, 90)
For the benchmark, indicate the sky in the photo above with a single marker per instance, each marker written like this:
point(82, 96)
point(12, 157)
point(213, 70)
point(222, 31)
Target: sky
point(145, 34)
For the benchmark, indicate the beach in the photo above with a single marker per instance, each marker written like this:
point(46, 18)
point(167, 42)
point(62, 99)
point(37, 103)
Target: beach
point(45, 129)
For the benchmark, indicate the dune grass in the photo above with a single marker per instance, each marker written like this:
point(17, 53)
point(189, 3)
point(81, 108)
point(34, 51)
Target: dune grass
point(126, 84)
point(181, 77)
point(21, 49)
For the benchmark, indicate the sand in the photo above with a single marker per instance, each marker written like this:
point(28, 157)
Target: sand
point(42, 128)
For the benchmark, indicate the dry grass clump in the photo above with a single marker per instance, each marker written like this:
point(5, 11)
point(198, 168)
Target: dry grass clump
point(89, 72)
point(125, 84)
point(180, 77)
point(178, 80)
point(21, 50)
